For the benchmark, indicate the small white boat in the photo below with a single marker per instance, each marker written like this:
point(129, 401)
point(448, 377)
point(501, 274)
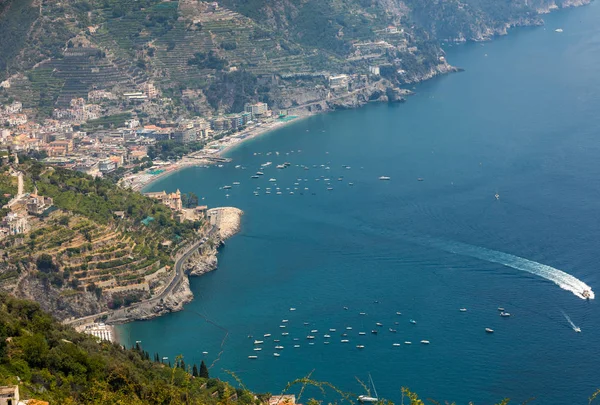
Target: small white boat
point(296, 346)
point(272, 180)
point(577, 329)
point(311, 343)
point(257, 349)
point(284, 321)
point(306, 323)
point(279, 347)
point(362, 333)
point(332, 330)
point(282, 326)
point(204, 352)
point(384, 178)
point(285, 334)
point(398, 313)
point(253, 357)
point(497, 196)
point(292, 309)
point(236, 183)
point(489, 330)
point(326, 336)
point(344, 340)
point(425, 342)
point(504, 314)
point(360, 346)
point(314, 331)
point(379, 324)
point(258, 342)
point(393, 330)
point(254, 177)
point(226, 187)
point(362, 313)
point(267, 335)
point(413, 321)
point(310, 337)
point(500, 309)
point(260, 174)
point(558, 30)
point(326, 342)
point(396, 344)
point(276, 354)
point(408, 343)
point(463, 310)
point(348, 327)
point(367, 398)
point(329, 188)
point(276, 340)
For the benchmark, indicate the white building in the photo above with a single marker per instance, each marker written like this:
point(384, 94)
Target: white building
point(339, 81)
point(374, 70)
point(256, 109)
point(15, 223)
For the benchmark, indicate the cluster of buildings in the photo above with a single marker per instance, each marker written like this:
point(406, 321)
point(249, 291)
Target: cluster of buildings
point(101, 151)
point(173, 201)
point(22, 209)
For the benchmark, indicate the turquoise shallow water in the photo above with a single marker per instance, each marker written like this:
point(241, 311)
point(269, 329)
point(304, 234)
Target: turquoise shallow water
point(521, 121)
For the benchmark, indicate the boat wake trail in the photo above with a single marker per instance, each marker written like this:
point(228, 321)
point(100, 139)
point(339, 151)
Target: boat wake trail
point(558, 277)
point(573, 326)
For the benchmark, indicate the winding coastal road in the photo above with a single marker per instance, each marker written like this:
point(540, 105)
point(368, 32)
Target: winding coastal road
point(120, 315)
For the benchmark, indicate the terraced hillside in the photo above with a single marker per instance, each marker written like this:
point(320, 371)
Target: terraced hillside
point(83, 248)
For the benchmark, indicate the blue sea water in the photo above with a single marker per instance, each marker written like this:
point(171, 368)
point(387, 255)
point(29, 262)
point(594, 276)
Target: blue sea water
point(522, 121)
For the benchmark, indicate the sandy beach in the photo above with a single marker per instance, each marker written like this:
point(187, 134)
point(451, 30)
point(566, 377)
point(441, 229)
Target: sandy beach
point(214, 149)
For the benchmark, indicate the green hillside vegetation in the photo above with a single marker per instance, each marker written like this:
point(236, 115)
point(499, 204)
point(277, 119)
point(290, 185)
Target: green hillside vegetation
point(86, 243)
point(56, 364)
point(16, 17)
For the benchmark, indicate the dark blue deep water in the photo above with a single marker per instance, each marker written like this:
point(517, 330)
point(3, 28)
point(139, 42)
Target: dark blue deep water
point(522, 121)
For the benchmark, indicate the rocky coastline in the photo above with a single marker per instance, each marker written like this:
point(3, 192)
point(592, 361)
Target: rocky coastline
point(203, 260)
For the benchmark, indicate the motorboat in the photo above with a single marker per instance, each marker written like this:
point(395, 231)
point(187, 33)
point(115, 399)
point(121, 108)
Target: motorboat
point(374, 331)
point(504, 314)
point(272, 180)
point(226, 187)
point(331, 330)
point(296, 346)
point(326, 342)
point(253, 357)
point(395, 344)
point(408, 343)
point(577, 329)
point(257, 349)
point(282, 326)
point(413, 321)
point(306, 323)
point(258, 342)
point(398, 313)
point(285, 334)
point(292, 309)
point(500, 309)
point(362, 313)
point(260, 174)
point(463, 310)
point(276, 340)
point(267, 335)
point(326, 336)
point(425, 342)
point(254, 177)
point(384, 178)
point(362, 333)
point(310, 337)
point(489, 330)
point(392, 330)
point(276, 354)
point(360, 346)
point(314, 331)
point(558, 30)
point(344, 341)
point(236, 183)
point(348, 327)
point(379, 324)
point(279, 347)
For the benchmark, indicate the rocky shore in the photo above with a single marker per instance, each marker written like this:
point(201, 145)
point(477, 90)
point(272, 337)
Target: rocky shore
point(201, 261)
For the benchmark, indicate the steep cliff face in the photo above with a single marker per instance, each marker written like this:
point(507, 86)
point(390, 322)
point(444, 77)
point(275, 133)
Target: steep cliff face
point(479, 20)
point(59, 304)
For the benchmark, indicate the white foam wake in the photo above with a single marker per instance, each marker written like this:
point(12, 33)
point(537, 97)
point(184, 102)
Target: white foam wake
point(558, 277)
point(575, 327)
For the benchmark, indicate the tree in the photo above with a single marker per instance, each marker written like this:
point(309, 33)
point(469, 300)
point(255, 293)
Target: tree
point(203, 370)
point(195, 371)
point(192, 200)
point(45, 263)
